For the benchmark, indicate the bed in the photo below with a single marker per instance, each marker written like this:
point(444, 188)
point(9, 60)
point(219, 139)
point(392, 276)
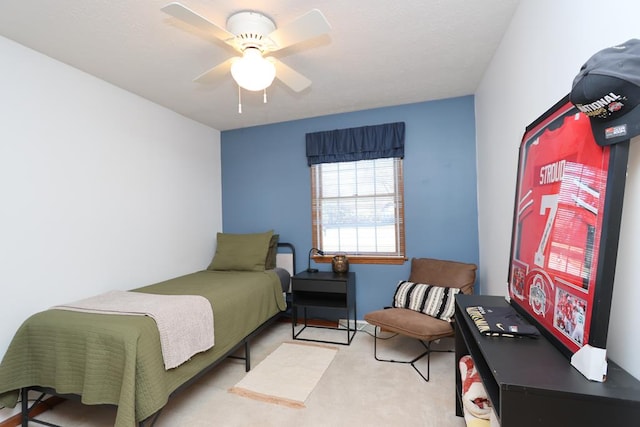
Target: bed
point(117, 359)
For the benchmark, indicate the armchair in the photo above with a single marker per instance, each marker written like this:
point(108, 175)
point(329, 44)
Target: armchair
point(413, 323)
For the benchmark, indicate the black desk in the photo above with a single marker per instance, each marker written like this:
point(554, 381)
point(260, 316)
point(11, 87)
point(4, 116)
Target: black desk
point(326, 290)
point(530, 383)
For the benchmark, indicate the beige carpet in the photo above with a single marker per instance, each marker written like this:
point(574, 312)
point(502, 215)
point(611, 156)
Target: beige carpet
point(356, 390)
point(288, 375)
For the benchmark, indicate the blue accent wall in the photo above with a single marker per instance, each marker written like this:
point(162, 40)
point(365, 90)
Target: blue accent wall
point(266, 184)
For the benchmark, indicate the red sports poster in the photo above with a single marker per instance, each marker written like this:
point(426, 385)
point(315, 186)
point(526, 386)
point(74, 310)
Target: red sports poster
point(558, 224)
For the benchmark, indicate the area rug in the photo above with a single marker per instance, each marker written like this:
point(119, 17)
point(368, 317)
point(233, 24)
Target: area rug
point(288, 375)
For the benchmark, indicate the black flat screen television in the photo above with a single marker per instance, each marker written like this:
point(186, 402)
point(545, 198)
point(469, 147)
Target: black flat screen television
point(566, 224)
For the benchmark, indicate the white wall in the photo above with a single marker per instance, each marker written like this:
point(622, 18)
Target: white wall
point(544, 48)
point(99, 189)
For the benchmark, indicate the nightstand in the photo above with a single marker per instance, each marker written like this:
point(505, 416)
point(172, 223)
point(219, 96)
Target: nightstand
point(325, 290)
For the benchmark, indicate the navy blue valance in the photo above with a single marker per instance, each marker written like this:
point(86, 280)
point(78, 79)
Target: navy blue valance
point(361, 143)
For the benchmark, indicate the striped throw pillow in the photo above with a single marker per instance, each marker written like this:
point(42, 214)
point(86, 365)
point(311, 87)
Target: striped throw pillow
point(436, 301)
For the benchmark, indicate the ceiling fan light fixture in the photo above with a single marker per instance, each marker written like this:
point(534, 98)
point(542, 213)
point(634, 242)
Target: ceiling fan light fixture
point(252, 71)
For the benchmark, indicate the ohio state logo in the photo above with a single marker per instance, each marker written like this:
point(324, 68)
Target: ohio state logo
point(615, 106)
point(537, 295)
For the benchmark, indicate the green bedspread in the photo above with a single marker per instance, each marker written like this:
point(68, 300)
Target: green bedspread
point(117, 359)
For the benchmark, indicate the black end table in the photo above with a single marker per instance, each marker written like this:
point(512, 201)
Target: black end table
point(326, 290)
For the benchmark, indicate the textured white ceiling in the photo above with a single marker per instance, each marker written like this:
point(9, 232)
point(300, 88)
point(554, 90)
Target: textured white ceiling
point(378, 53)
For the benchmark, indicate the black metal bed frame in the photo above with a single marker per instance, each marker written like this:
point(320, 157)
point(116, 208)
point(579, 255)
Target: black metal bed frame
point(151, 420)
point(26, 409)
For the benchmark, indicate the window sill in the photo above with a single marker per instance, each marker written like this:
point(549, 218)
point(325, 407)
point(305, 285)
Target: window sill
point(390, 260)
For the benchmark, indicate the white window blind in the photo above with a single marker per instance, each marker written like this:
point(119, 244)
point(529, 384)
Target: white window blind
point(357, 207)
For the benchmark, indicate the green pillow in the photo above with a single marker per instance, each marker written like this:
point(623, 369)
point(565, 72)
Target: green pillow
point(241, 252)
point(270, 262)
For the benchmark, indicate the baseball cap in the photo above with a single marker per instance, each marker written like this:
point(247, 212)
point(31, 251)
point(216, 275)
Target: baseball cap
point(607, 90)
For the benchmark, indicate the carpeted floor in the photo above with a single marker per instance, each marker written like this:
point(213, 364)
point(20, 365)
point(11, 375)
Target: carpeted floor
point(355, 390)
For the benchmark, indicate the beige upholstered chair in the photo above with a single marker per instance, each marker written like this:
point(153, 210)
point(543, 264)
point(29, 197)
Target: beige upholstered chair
point(415, 324)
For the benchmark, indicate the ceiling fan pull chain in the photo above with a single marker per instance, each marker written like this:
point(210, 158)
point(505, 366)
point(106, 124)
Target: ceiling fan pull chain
point(265, 95)
point(239, 101)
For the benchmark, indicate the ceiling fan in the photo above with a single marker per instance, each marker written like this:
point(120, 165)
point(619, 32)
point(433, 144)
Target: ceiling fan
point(254, 35)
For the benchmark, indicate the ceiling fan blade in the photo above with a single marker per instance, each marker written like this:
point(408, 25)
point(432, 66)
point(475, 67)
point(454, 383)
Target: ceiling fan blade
point(308, 26)
point(190, 17)
point(216, 72)
point(287, 75)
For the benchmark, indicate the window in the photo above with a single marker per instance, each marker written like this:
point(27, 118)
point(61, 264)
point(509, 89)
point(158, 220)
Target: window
point(358, 209)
